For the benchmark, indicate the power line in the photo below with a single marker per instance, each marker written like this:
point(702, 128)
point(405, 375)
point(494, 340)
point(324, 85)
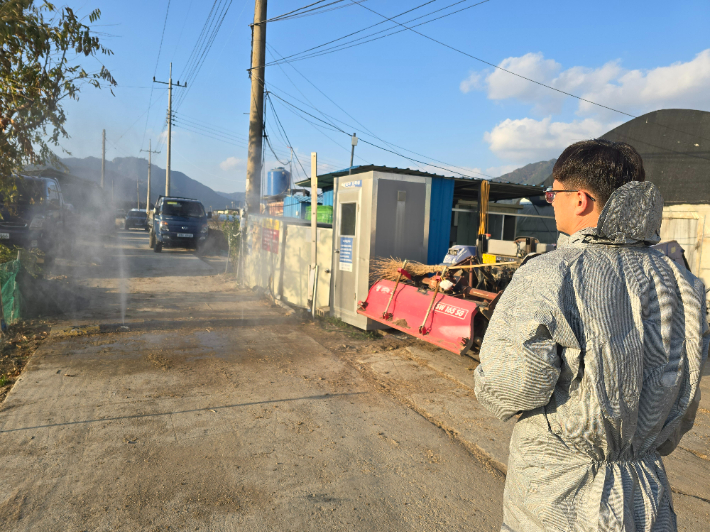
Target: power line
point(162, 35)
point(200, 37)
point(184, 125)
point(187, 14)
point(155, 71)
point(197, 67)
point(300, 9)
point(375, 145)
point(334, 103)
point(268, 142)
point(205, 134)
point(323, 10)
point(449, 166)
point(497, 66)
point(212, 127)
point(371, 37)
point(358, 31)
point(268, 98)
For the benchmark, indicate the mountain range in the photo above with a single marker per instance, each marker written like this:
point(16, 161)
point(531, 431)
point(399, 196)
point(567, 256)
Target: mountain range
point(530, 174)
point(122, 173)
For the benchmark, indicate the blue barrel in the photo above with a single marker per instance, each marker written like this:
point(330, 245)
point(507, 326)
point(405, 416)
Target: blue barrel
point(278, 181)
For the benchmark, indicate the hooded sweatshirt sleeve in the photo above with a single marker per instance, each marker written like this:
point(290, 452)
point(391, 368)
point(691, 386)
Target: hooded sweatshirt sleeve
point(520, 363)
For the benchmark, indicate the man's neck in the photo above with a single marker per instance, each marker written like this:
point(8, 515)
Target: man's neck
point(583, 222)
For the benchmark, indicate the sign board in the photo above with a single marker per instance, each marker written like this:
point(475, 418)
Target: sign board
point(270, 235)
point(352, 184)
point(346, 253)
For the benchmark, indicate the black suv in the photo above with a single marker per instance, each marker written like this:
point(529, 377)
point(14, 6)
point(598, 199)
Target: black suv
point(136, 218)
point(32, 215)
point(178, 222)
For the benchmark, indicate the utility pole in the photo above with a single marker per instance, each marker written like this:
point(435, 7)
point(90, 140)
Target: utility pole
point(150, 165)
point(103, 157)
point(256, 113)
point(352, 153)
point(169, 83)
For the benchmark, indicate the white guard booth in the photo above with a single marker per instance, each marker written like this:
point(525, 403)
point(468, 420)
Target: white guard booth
point(378, 214)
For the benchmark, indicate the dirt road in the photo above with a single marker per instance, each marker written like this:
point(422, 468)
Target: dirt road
point(214, 412)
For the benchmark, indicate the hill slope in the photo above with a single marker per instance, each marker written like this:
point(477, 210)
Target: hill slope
point(124, 172)
point(530, 174)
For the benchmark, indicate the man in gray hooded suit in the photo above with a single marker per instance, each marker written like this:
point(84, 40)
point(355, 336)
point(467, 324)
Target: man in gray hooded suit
point(599, 346)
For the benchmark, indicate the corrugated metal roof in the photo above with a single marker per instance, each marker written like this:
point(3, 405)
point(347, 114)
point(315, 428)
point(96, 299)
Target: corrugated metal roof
point(464, 187)
point(675, 147)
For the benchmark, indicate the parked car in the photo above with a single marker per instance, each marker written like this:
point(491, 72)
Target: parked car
point(33, 214)
point(136, 219)
point(178, 222)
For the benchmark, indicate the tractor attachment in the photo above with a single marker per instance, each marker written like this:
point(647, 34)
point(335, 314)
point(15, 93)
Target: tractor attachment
point(426, 314)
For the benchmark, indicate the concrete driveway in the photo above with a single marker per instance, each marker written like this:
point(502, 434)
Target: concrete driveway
point(215, 412)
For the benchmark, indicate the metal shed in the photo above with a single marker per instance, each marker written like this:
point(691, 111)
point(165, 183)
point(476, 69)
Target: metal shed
point(381, 211)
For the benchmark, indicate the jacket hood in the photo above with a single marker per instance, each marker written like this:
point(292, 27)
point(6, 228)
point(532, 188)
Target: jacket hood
point(632, 215)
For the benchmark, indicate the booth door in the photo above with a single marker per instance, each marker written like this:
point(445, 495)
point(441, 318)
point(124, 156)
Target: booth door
point(346, 263)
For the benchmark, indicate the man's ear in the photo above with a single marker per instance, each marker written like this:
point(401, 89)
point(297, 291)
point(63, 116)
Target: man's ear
point(584, 204)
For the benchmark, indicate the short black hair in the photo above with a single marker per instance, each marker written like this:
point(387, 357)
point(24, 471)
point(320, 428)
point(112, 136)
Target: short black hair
point(599, 166)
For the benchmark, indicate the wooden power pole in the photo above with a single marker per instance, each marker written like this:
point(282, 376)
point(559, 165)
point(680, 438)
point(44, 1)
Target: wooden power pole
point(150, 165)
point(256, 114)
point(103, 157)
point(169, 83)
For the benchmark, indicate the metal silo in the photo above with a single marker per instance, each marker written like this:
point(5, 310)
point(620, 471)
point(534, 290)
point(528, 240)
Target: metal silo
point(278, 182)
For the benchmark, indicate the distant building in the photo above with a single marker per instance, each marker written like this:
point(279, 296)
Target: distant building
point(675, 147)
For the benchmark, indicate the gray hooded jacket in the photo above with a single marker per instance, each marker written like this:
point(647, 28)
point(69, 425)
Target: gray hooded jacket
point(600, 346)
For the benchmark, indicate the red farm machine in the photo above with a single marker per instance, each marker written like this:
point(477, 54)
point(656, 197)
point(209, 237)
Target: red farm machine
point(448, 305)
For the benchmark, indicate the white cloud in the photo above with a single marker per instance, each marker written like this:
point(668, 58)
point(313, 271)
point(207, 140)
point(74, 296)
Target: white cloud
point(529, 140)
point(679, 85)
point(230, 163)
point(502, 85)
point(682, 84)
point(474, 81)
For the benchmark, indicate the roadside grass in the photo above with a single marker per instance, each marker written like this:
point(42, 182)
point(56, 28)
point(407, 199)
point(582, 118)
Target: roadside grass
point(16, 347)
point(352, 332)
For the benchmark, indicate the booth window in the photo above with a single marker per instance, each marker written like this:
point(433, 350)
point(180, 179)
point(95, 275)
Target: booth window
point(348, 214)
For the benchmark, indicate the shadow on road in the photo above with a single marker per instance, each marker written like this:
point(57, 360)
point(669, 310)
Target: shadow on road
point(205, 409)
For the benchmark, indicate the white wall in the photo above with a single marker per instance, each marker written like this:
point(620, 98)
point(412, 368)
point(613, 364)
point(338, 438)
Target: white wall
point(297, 260)
point(277, 258)
point(690, 226)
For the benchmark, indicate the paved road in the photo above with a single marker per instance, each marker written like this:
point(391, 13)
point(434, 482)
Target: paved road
point(214, 412)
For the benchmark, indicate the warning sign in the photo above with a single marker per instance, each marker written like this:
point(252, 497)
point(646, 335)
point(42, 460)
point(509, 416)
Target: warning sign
point(270, 240)
point(346, 253)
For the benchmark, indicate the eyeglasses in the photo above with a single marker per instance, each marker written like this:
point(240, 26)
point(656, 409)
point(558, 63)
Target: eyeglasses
point(550, 194)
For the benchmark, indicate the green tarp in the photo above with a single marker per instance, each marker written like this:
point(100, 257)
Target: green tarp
point(12, 300)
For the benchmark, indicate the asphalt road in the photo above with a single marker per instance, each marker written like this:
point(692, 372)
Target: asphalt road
point(214, 412)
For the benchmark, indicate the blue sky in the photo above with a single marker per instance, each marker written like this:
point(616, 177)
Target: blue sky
point(403, 89)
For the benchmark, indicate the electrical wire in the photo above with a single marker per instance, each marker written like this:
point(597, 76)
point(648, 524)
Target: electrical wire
point(155, 70)
point(358, 31)
point(212, 127)
point(498, 67)
point(206, 131)
point(278, 120)
point(290, 13)
point(332, 127)
point(371, 37)
point(391, 145)
point(205, 134)
point(375, 145)
point(202, 47)
point(268, 143)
